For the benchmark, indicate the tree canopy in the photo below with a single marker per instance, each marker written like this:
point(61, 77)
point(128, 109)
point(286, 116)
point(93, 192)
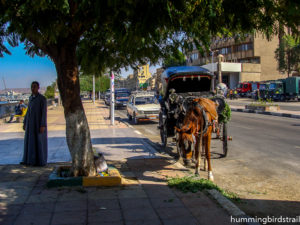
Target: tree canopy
point(176, 59)
point(101, 83)
point(115, 33)
point(288, 54)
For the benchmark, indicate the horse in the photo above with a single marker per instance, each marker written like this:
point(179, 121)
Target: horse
point(196, 131)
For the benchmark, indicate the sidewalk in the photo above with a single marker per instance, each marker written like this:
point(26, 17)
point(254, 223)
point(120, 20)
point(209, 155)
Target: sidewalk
point(144, 197)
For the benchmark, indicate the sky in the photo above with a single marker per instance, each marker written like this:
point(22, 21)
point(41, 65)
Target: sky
point(19, 70)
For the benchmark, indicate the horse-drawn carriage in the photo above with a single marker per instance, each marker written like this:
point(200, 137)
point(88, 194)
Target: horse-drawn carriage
point(181, 87)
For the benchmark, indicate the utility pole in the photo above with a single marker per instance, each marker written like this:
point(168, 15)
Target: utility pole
point(94, 89)
point(220, 57)
point(112, 99)
point(213, 69)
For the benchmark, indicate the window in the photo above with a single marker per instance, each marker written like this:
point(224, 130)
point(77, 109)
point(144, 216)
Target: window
point(145, 100)
point(194, 56)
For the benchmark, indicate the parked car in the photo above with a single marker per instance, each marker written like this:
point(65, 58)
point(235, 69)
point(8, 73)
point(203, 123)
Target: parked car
point(107, 98)
point(143, 106)
point(121, 97)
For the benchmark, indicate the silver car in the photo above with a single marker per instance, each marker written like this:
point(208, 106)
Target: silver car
point(142, 106)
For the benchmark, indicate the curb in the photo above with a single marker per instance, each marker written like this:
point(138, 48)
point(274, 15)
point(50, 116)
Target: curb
point(267, 113)
point(114, 179)
point(231, 208)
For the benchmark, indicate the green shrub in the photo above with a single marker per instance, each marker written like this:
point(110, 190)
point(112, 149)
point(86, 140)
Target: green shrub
point(225, 116)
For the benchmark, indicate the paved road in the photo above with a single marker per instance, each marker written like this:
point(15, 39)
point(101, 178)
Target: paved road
point(262, 165)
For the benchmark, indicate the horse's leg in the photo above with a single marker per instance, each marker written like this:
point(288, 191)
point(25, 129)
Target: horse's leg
point(207, 150)
point(203, 154)
point(197, 155)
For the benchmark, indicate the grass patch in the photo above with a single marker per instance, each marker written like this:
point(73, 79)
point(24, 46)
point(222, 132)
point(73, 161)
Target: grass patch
point(194, 184)
point(261, 102)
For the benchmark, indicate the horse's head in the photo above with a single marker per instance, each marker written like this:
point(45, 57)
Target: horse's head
point(186, 142)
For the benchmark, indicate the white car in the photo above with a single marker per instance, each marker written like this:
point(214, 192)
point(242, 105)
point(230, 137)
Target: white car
point(142, 106)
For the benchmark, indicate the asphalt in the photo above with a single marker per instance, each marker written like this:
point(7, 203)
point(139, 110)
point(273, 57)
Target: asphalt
point(143, 198)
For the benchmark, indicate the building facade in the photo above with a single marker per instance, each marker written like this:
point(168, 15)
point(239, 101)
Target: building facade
point(142, 75)
point(255, 55)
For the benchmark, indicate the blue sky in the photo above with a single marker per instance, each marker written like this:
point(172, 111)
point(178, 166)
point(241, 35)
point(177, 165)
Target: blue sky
point(19, 69)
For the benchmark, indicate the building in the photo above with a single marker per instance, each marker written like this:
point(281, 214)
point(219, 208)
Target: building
point(157, 75)
point(142, 75)
point(130, 82)
point(252, 59)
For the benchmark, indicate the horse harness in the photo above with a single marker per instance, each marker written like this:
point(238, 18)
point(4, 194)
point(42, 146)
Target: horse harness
point(206, 122)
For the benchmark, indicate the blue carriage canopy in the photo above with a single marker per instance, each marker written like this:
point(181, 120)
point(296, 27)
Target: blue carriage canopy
point(186, 79)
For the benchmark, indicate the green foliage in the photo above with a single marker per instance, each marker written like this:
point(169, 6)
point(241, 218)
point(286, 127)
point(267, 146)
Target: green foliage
point(49, 92)
point(261, 102)
point(225, 116)
point(177, 59)
point(288, 54)
point(194, 184)
point(101, 83)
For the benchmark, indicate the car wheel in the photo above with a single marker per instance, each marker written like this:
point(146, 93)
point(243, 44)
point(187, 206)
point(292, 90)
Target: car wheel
point(135, 120)
point(129, 117)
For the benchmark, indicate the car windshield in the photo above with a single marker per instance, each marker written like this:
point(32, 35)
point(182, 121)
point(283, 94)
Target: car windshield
point(145, 100)
point(272, 86)
point(240, 86)
point(262, 87)
point(122, 94)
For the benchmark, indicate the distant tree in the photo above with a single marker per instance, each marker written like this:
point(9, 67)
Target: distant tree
point(49, 93)
point(288, 54)
point(113, 34)
point(176, 59)
point(101, 83)
point(104, 83)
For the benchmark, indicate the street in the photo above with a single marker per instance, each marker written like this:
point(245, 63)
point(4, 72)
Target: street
point(262, 165)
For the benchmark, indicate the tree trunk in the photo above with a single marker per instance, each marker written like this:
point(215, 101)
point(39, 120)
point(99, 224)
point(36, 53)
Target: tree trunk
point(77, 129)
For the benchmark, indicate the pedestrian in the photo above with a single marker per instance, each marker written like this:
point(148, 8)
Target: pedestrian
point(35, 126)
point(18, 110)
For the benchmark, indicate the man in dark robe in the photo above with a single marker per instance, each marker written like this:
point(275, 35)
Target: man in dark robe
point(35, 126)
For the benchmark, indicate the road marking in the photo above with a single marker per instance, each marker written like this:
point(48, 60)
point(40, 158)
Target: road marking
point(137, 132)
point(151, 132)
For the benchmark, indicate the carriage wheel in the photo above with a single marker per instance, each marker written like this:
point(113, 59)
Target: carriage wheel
point(225, 140)
point(179, 152)
point(163, 135)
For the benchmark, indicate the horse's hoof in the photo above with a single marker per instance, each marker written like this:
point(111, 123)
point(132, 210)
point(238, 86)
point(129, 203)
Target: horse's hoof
point(210, 176)
point(187, 163)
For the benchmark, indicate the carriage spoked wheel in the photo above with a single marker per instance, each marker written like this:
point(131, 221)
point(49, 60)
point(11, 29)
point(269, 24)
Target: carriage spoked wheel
point(163, 135)
point(224, 138)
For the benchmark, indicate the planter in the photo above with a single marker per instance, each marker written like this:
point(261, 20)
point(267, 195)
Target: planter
point(59, 177)
point(266, 108)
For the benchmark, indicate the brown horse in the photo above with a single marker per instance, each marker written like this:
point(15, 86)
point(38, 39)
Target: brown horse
point(196, 131)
